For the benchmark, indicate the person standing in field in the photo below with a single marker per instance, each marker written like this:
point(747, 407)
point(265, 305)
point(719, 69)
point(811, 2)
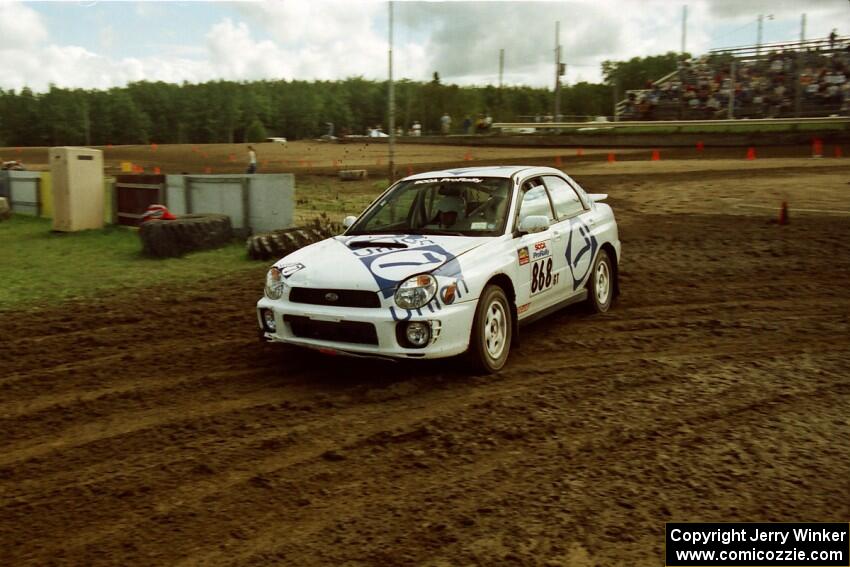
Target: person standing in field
point(446, 124)
point(252, 160)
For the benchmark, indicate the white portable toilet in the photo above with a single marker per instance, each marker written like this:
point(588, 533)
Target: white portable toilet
point(78, 198)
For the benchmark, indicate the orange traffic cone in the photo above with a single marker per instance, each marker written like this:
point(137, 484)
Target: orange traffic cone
point(467, 156)
point(656, 155)
point(611, 157)
point(558, 162)
point(156, 171)
point(783, 213)
point(154, 147)
point(579, 152)
point(751, 153)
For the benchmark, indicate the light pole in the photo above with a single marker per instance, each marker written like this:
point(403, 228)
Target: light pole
point(391, 102)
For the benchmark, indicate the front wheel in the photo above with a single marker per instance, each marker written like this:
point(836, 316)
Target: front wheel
point(601, 284)
point(490, 340)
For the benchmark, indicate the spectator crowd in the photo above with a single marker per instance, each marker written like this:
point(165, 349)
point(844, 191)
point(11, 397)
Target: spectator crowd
point(762, 87)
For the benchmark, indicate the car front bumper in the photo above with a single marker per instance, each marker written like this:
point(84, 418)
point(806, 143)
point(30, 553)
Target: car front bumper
point(451, 325)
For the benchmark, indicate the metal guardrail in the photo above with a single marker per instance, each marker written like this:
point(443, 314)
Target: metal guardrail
point(626, 124)
point(820, 44)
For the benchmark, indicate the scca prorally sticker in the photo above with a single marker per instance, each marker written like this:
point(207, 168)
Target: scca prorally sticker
point(581, 250)
point(449, 180)
point(287, 270)
point(522, 254)
point(541, 250)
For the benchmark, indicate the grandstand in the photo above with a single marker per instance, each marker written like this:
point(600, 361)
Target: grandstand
point(776, 80)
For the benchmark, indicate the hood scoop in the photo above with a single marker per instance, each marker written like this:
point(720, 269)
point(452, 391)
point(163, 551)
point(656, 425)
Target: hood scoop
point(376, 244)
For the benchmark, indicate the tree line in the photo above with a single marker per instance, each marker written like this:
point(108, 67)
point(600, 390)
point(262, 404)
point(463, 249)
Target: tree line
point(233, 112)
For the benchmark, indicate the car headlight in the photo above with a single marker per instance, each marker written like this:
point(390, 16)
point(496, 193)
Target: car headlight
point(416, 292)
point(275, 284)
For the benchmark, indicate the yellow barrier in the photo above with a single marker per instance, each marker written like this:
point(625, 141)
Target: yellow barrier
point(45, 194)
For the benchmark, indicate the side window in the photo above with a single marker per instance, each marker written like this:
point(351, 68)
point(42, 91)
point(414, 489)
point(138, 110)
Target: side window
point(534, 201)
point(564, 198)
point(585, 200)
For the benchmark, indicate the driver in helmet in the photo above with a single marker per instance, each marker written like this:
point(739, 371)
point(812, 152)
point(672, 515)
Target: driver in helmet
point(450, 210)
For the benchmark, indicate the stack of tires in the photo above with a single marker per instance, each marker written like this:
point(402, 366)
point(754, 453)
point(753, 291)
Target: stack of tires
point(277, 244)
point(167, 238)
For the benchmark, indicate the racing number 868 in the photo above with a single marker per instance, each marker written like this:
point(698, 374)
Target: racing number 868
point(542, 276)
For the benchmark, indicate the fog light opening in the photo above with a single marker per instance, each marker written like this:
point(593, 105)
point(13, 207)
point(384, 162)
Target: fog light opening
point(268, 320)
point(418, 333)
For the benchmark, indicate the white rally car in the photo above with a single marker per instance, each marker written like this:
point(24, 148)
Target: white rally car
point(445, 263)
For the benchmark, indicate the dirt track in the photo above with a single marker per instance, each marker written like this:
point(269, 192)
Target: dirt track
point(154, 428)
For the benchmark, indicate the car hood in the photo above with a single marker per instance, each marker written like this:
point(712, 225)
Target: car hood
point(375, 262)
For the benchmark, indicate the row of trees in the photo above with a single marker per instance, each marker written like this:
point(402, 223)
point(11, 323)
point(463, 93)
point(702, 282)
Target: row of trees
point(225, 111)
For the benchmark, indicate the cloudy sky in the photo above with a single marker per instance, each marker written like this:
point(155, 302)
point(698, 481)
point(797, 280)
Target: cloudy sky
point(91, 44)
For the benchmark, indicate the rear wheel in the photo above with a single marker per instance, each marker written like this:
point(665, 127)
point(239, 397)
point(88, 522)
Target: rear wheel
point(601, 284)
point(490, 340)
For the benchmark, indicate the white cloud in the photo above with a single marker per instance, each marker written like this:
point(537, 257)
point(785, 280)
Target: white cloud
point(20, 27)
point(331, 39)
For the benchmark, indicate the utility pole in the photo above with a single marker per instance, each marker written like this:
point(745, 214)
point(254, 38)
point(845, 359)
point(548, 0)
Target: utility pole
point(391, 102)
point(803, 28)
point(731, 90)
point(616, 100)
point(557, 70)
point(684, 26)
point(758, 37)
point(501, 66)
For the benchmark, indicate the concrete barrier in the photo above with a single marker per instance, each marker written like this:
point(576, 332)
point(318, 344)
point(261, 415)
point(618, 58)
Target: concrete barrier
point(23, 191)
point(254, 203)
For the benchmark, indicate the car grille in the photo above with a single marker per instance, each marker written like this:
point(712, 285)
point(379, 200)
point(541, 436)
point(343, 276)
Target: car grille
point(343, 331)
point(345, 297)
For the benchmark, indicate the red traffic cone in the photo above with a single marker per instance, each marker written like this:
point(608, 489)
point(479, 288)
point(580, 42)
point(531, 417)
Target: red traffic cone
point(751, 153)
point(656, 155)
point(558, 162)
point(783, 213)
point(579, 152)
point(817, 148)
point(700, 146)
point(839, 152)
point(611, 157)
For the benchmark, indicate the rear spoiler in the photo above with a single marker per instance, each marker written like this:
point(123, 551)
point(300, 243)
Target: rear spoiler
point(597, 197)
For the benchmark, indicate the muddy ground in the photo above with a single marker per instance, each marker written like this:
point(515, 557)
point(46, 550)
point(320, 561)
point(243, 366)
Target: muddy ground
point(151, 428)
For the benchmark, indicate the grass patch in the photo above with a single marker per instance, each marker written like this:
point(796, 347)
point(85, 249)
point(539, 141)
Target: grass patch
point(39, 266)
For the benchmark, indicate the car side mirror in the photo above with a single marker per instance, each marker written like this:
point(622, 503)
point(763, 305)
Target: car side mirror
point(348, 221)
point(534, 223)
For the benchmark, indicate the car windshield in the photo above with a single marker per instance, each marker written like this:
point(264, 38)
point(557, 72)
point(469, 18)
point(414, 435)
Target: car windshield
point(466, 206)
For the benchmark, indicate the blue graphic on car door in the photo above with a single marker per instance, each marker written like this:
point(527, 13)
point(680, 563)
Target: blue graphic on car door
point(581, 250)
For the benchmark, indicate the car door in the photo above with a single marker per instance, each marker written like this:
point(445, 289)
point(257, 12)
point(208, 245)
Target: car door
point(536, 274)
point(574, 243)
